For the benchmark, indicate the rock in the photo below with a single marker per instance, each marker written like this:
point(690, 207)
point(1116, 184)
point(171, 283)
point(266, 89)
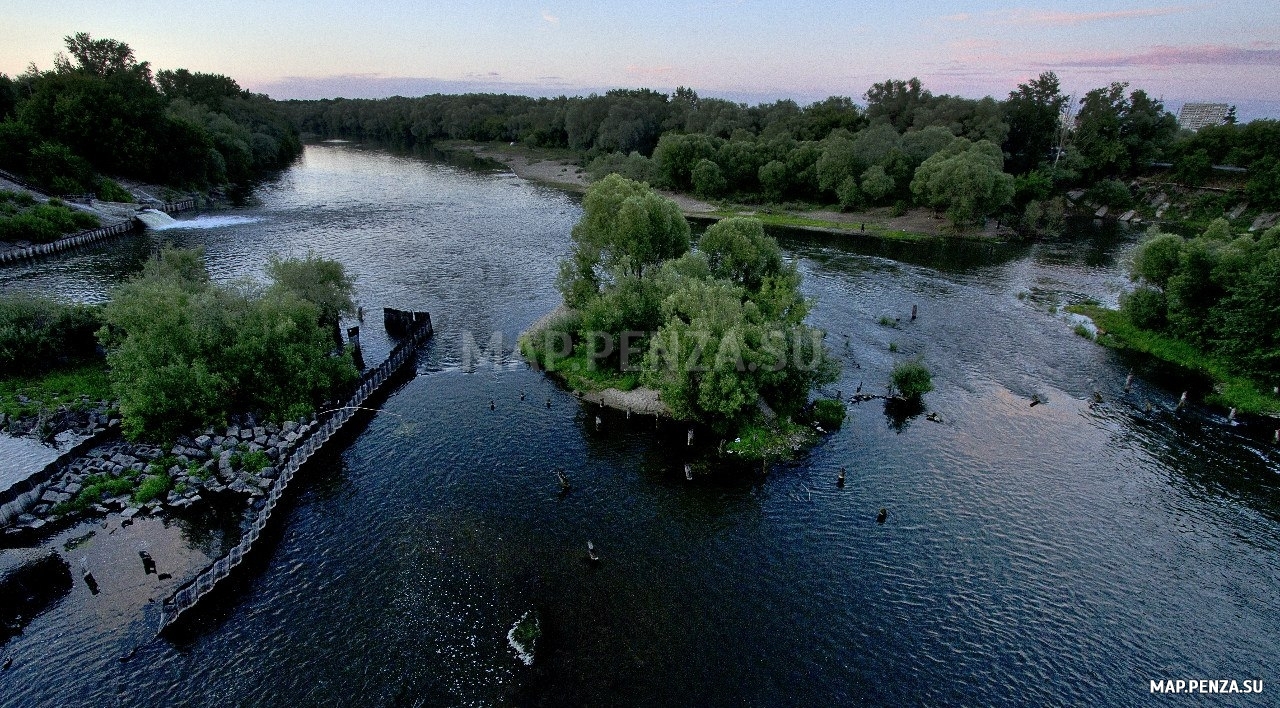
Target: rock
point(74, 488)
point(129, 513)
point(260, 441)
point(204, 442)
point(259, 431)
point(246, 434)
point(233, 432)
point(289, 426)
point(239, 487)
point(53, 497)
point(224, 461)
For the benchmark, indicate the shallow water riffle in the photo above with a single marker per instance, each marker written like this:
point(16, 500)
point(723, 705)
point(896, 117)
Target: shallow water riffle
point(1067, 552)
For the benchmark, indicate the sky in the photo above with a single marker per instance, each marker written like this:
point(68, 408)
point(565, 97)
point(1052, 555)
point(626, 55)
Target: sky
point(745, 50)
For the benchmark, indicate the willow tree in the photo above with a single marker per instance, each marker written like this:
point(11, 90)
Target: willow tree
point(966, 179)
point(626, 229)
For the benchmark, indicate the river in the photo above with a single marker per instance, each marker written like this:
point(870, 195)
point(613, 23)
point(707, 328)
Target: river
point(1063, 554)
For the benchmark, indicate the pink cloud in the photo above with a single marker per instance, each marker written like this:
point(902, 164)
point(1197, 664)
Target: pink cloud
point(1058, 17)
point(1214, 54)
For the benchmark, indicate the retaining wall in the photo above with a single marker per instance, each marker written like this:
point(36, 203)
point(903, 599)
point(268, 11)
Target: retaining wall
point(84, 238)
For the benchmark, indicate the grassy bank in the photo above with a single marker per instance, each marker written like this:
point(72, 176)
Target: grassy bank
point(70, 387)
point(794, 220)
point(1231, 389)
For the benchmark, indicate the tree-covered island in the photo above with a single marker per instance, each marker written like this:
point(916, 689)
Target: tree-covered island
point(717, 331)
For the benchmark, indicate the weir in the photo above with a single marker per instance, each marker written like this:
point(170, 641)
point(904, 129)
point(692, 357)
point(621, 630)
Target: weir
point(322, 430)
point(154, 218)
point(84, 238)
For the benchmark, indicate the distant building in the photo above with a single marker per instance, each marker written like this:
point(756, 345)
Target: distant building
point(1195, 116)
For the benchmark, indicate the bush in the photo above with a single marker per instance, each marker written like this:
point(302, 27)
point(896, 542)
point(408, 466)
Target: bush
point(37, 334)
point(185, 352)
point(911, 379)
point(828, 413)
point(111, 191)
point(152, 487)
point(1147, 308)
point(1111, 192)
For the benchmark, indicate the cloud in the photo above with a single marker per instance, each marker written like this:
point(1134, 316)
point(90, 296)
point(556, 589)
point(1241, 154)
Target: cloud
point(374, 85)
point(550, 18)
point(958, 17)
point(1057, 18)
point(1213, 54)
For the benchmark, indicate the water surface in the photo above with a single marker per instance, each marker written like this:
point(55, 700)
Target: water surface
point(1066, 553)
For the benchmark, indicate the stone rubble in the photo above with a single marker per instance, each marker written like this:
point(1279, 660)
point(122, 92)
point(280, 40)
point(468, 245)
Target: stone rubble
point(211, 467)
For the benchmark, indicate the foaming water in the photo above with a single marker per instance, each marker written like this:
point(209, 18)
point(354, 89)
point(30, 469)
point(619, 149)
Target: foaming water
point(207, 222)
point(1066, 553)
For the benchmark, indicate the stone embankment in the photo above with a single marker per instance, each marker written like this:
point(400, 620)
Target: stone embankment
point(238, 462)
point(25, 251)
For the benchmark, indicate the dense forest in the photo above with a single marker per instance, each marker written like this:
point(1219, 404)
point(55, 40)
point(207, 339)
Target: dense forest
point(101, 113)
point(980, 157)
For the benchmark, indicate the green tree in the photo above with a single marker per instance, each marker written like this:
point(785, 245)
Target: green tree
point(895, 102)
point(319, 281)
point(1032, 112)
point(184, 352)
point(1117, 135)
point(876, 184)
point(738, 250)
point(708, 180)
point(967, 179)
point(625, 228)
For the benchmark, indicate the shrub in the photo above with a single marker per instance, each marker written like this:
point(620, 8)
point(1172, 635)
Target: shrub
point(911, 379)
point(153, 486)
point(828, 413)
point(1146, 307)
point(1111, 192)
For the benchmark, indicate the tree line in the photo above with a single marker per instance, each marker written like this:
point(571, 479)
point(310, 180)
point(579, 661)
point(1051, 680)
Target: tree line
point(101, 112)
point(832, 151)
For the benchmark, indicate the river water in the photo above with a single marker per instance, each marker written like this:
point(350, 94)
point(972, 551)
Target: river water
point(1062, 554)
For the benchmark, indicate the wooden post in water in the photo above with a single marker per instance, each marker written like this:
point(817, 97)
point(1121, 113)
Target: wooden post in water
point(689, 438)
point(1181, 401)
point(913, 313)
point(1128, 382)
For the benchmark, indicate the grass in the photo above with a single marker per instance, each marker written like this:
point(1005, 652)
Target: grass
point(56, 388)
point(578, 369)
point(804, 222)
point(829, 413)
point(1082, 331)
point(887, 321)
point(98, 487)
point(1231, 389)
point(759, 441)
point(527, 631)
point(154, 486)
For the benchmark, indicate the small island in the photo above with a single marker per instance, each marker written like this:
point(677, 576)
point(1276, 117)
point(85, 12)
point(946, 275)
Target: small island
point(712, 336)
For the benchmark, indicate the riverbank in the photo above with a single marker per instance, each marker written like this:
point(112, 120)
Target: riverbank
point(1231, 389)
point(560, 168)
point(624, 396)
